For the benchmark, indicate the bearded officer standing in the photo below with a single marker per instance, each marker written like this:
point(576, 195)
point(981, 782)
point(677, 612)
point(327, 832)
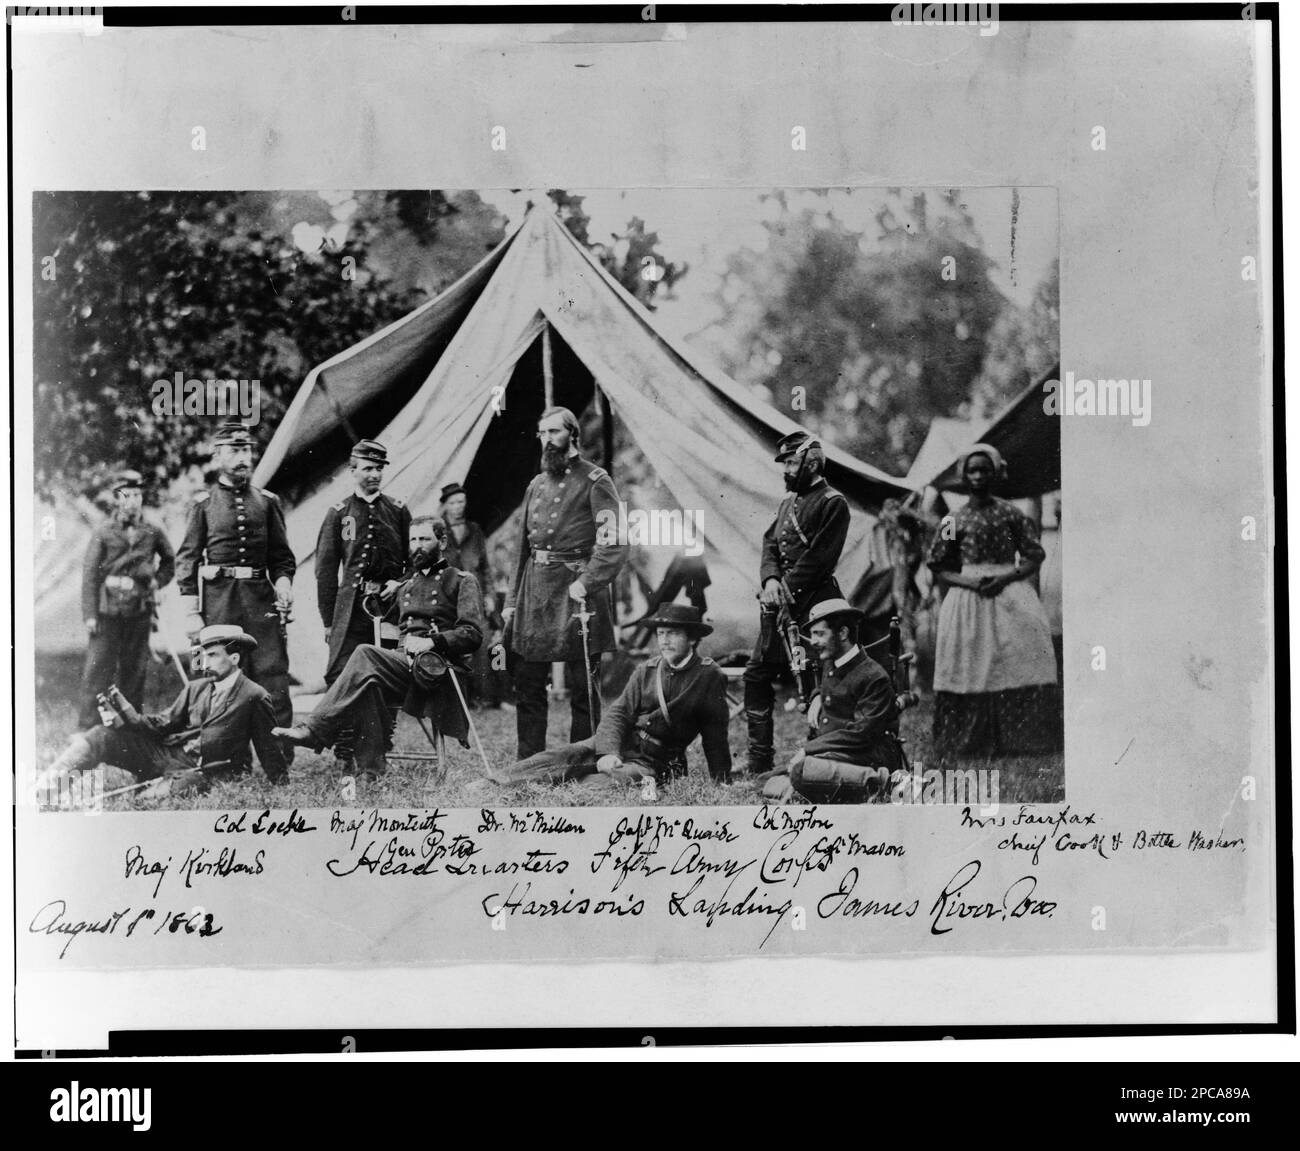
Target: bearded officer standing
point(118, 587)
point(235, 565)
point(569, 554)
point(800, 551)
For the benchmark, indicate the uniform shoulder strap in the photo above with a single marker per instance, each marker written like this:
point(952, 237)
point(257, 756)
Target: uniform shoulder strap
point(659, 692)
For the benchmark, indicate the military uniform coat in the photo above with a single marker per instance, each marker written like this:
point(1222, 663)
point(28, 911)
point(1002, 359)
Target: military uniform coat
point(803, 545)
point(445, 602)
point(563, 514)
point(368, 541)
point(117, 549)
point(696, 698)
point(855, 709)
point(240, 528)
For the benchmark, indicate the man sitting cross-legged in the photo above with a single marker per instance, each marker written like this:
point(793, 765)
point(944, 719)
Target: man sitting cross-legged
point(441, 619)
point(667, 703)
point(851, 750)
point(204, 735)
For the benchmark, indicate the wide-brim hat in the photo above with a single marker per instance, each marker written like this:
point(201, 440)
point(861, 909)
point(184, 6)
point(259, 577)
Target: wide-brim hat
point(677, 615)
point(234, 434)
point(450, 490)
point(830, 608)
point(372, 451)
point(228, 635)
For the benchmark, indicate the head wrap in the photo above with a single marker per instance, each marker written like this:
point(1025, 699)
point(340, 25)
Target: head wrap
point(995, 457)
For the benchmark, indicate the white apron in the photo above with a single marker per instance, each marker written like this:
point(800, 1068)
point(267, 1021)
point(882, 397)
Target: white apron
point(991, 643)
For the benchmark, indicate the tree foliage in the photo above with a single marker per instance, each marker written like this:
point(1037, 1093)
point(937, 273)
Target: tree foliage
point(866, 338)
point(133, 287)
point(144, 285)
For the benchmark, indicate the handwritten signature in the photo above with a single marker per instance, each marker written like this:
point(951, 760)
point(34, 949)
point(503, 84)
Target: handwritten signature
point(53, 919)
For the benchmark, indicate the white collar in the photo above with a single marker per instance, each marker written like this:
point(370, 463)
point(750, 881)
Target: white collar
point(365, 498)
point(678, 666)
point(848, 655)
point(227, 685)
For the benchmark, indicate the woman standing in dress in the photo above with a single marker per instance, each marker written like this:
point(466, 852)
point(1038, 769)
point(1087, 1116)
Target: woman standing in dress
point(995, 668)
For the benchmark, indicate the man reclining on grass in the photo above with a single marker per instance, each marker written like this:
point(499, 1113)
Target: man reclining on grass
point(667, 703)
point(203, 736)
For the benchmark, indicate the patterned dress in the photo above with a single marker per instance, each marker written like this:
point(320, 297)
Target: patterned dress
point(995, 677)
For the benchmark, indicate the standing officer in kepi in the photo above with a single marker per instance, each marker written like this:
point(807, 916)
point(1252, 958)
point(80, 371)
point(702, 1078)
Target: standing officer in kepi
point(569, 554)
point(366, 535)
point(235, 565)
point(800, 551)
point(118, 585)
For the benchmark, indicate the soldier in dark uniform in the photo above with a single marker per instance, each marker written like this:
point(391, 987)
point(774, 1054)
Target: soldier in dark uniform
point(441, 620)
point(204, 735)
point(569, 554)
point(467, 549)
point(852, 748)
point(235, 565)
point(669, 702)
point(128, 560)
point(800, 551)
point(366, 536)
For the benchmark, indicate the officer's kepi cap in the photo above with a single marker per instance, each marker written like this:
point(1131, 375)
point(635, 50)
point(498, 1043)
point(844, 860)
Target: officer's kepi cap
point(234, 434)
point(127, 478)
point(794, 443)
point(372, 451)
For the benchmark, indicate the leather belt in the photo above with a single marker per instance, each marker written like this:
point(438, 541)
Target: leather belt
point(221, 571)
point(664, 751)
point(542, 556)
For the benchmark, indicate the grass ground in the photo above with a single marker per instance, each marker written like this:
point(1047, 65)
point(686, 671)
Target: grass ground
point(316, 783)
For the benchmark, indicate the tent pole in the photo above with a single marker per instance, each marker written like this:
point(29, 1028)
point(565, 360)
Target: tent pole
point(606, 430)
point(548, 381)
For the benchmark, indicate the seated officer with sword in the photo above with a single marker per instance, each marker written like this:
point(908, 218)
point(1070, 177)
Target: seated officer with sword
point(668, 702)
point(204, 735)
point(441, 621)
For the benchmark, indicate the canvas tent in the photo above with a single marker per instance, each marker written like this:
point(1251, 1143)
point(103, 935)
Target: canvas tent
point(1028, 438)
point(454, 390)
point(946, 438)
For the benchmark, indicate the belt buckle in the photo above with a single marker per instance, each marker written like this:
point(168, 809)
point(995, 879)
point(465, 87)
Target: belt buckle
point(241, 573)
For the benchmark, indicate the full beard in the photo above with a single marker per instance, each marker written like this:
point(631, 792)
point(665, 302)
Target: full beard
point(801, 481)
point(425, 558)
point(554, 460)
